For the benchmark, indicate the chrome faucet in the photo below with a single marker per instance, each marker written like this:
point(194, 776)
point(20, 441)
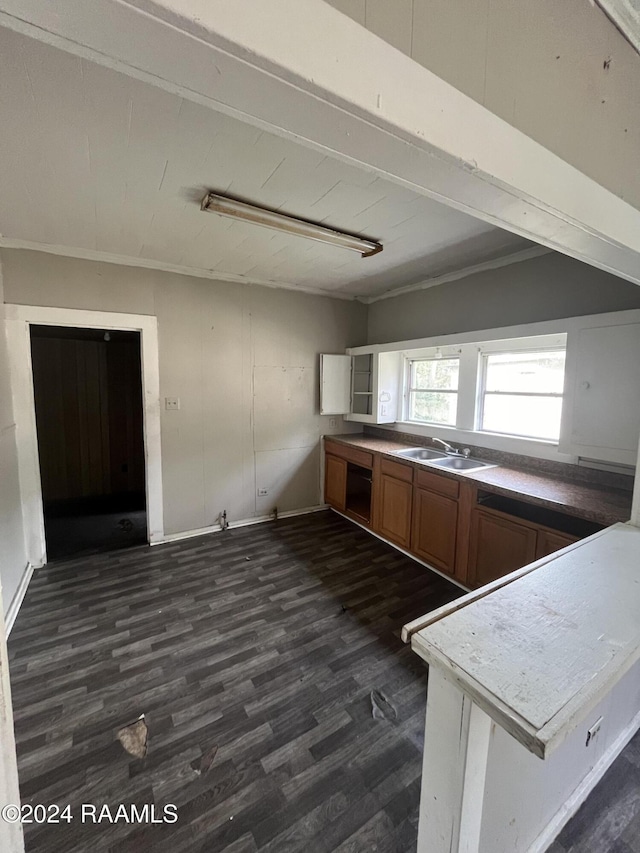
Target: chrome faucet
point(453, 451)
point(449, 448)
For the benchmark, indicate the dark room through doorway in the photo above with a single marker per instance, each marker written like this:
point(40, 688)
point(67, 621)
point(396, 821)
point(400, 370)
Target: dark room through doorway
point(89, 419)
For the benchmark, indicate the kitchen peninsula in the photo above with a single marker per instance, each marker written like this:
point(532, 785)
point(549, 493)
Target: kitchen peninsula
point(534, 689)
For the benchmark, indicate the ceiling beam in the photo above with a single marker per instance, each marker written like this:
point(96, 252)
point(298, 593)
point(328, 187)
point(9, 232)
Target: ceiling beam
point(625, 15)
point(350, 95)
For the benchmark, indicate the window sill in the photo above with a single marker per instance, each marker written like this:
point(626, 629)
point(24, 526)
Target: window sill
point(538, 448)
point(545, 442)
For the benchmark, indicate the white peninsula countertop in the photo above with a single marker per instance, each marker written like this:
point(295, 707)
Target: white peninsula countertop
point(542, 664)
point(537, 653)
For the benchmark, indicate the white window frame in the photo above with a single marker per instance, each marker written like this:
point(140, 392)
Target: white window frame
point(435, 354)
point(471, 382)
point(482, 388)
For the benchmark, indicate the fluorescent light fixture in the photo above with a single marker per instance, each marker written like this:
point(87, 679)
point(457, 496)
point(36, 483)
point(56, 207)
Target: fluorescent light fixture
point(226, 206)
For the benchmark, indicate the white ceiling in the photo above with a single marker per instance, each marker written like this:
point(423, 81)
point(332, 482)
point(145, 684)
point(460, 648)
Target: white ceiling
point(92, 161)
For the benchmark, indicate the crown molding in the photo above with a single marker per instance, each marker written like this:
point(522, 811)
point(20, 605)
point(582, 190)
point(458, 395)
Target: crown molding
point(217, 275)
point(160, 266)
point(496, 263)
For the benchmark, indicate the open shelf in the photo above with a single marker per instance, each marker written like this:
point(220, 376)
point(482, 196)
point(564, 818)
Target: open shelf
point(358, 500)
point(560, 521)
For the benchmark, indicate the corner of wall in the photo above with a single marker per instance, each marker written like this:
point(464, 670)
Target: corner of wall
point(13, 560)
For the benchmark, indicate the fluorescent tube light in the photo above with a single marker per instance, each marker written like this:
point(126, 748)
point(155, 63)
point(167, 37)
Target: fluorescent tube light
point(226, 206)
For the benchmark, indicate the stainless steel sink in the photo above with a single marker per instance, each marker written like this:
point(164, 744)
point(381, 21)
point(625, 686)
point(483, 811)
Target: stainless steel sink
point(421, 454)
point(460, 463)
point(439, 459)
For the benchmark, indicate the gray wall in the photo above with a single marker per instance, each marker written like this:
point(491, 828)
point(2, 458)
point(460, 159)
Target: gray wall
point(13, 559)
point(546, 288)
point(244, 362)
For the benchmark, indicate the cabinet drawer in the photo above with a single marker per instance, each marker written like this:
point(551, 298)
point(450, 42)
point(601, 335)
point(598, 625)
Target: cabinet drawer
point(397, 470)
point(437, 483)
point(351, 454)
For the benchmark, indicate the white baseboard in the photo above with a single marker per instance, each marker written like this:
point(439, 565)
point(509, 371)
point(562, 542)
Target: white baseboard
point(18, 598)
point(577, 798)
point(245, 522)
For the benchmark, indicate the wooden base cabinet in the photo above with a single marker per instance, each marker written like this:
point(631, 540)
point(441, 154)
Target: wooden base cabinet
point(394, 510)
point(550, 541)
point(335, 482)
point(498, 546)
point(471, 534)
point(435, 524)
point(348, 480)
point(393, 496)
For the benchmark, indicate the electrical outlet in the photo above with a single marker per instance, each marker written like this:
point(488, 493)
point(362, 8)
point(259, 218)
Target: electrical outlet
point(263, 493)
point(592, 733)
point(333, 423)
point(172, 403)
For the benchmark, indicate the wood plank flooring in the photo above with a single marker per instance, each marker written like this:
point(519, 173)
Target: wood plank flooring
point(283, 712)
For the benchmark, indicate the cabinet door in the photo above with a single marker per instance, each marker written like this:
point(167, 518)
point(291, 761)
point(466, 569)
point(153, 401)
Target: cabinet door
point(498, 546)
point(603, 406)
point(335, 384)
point(550, 541)
point(435, 523)
point(335, 481)
point(394, 510)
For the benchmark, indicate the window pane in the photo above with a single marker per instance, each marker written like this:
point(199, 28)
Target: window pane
point(435, 373)
point(433, 407)
point(537, 417)
point(534, 372)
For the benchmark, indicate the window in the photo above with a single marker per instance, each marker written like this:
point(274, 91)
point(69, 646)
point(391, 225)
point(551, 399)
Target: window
point(522, 393)
point(433, 390)
point(510, 387)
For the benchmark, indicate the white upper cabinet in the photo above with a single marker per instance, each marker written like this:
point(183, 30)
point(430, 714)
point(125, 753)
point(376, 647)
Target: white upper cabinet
point(363, 386)
point(601, 418)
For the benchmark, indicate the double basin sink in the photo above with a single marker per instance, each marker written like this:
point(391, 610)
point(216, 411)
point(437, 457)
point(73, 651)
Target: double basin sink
point(439, 459)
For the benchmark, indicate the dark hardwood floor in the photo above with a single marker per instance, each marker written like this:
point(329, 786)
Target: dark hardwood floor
point(283, 711)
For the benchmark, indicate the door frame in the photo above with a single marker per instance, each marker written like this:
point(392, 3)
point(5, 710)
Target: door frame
point(19, 319)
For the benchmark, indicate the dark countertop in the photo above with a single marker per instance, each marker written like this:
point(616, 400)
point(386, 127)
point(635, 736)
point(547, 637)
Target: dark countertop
point(601, 504)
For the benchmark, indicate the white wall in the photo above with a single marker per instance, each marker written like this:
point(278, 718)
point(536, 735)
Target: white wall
point(244, 361)
point(523, 801)
point(13, 559)
point(551, 287)
point(559, 72)
point(524, 796)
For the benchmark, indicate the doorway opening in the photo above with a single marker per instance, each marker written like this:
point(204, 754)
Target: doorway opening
point(89, 421)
